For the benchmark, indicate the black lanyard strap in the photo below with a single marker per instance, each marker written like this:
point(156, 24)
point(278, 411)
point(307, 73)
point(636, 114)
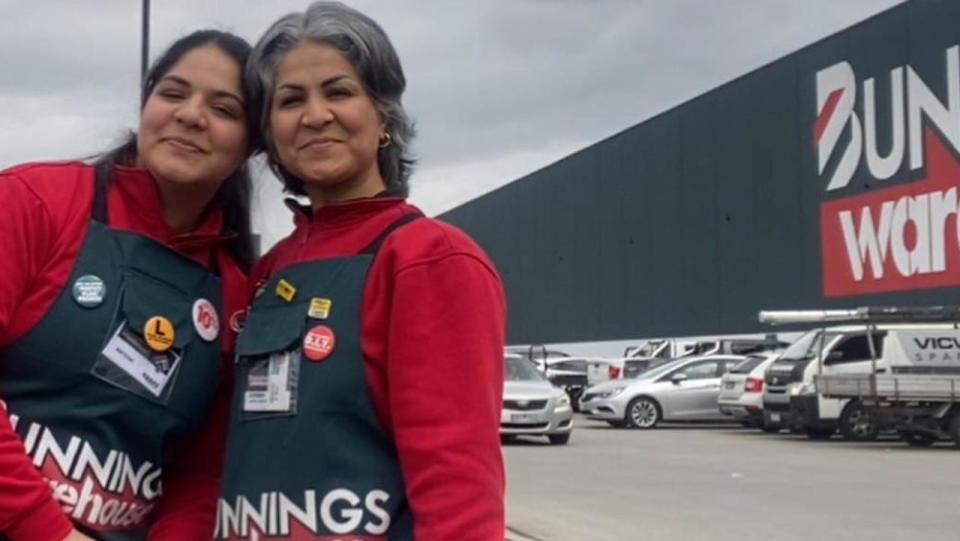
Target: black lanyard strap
point(374, 246)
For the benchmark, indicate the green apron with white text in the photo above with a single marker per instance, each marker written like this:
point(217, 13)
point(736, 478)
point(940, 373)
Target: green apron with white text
point(319, 465)
point(97, 408)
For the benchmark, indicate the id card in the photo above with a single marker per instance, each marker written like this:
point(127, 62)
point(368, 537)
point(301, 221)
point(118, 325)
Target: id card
point(271, 384)
point(128, 362)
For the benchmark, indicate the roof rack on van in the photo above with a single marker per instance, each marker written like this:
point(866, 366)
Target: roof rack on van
point(863, 314)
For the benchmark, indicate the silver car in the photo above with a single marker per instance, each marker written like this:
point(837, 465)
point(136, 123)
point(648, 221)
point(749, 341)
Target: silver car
point(682, 390)
point(532, 406)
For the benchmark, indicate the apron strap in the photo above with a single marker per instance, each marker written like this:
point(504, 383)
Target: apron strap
point(99, 210)
point(374, 246)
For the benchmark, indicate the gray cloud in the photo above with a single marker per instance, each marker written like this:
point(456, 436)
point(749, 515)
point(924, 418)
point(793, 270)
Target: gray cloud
point(498, 88)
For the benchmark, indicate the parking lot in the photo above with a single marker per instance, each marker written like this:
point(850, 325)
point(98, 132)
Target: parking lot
point(720, 482)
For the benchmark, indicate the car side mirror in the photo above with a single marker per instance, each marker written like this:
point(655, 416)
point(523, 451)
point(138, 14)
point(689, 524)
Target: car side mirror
point(834, 356)
point(677, 379)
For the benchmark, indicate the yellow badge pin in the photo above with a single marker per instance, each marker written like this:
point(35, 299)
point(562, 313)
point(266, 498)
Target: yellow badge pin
point(285, 290)
point(159, 333)
point(319, 308)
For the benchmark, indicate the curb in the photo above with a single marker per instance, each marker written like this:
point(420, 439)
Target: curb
point(516, 535)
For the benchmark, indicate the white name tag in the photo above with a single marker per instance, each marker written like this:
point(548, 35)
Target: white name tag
point(269, 386)
point(151, 369)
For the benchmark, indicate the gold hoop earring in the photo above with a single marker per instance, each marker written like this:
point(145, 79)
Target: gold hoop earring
point(385, 140)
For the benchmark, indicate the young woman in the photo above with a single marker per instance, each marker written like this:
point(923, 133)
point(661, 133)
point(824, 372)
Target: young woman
point(370, 368)
point(118, 277)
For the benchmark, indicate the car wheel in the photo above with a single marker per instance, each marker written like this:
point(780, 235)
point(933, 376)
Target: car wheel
point(643, 412)
point(559, 439)
point(617, 424)
point(917, 439)
point(856, 423)
point(574, 395)
point(770, 429)
point(819, 433)
point(954, 428)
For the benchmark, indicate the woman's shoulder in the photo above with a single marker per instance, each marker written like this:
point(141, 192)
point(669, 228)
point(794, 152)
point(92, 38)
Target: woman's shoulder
point(57, 185)
point(51, 179)
point(49, 171)
point(427, 240)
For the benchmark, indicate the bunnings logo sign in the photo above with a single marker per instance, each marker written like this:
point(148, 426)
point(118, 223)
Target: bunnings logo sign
point(906, 235)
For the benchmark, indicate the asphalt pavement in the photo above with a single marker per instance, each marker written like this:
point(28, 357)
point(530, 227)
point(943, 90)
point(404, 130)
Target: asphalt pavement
point(723, 482)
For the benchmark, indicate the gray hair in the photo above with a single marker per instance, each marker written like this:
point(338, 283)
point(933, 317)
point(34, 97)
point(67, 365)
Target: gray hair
point(368, 49)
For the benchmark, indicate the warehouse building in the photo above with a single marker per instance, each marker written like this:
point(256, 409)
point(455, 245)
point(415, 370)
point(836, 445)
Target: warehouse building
point(825, 179)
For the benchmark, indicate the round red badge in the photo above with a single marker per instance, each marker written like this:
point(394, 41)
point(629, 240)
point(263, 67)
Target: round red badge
point(205, 320)
point(318, 343)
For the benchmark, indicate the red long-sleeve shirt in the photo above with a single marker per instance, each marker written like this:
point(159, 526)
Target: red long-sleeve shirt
point(432, 334)
point(44, 216)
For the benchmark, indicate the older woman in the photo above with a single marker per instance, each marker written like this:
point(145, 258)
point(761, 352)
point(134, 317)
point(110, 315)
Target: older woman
point(116, 276)
point(370, 370)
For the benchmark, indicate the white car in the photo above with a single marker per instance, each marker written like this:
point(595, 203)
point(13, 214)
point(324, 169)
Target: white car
point(741, 391)
point(532, 406)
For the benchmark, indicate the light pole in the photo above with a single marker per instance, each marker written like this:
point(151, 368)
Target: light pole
point(145, 40)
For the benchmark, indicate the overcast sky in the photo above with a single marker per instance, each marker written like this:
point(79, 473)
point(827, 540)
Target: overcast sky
point(498, 88)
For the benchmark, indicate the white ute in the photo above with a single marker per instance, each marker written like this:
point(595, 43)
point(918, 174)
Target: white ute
point(902, 373)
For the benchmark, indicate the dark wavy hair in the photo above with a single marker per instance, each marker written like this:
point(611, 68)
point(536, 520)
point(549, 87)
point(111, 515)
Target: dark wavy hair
point(234, 194)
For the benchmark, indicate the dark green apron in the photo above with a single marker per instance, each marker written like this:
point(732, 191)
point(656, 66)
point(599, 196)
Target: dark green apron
point(324, 468)
point(98, 432)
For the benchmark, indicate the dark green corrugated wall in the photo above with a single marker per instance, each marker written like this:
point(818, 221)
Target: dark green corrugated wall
point(691, 222)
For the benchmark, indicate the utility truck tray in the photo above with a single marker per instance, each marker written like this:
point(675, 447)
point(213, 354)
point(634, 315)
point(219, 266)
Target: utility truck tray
point(891, 387)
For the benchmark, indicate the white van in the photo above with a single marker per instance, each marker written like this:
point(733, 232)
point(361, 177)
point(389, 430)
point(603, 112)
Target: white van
point(791, 397)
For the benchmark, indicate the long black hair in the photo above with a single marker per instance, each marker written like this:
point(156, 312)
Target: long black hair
point(234, 194)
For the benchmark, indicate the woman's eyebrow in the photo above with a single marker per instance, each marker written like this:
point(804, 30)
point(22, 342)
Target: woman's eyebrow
point(325, 83)
point(179, 80)
point(334, 79)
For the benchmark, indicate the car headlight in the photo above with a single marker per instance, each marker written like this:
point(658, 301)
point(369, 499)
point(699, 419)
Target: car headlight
point(609, 393)
point(563, 402)
point(797, 389)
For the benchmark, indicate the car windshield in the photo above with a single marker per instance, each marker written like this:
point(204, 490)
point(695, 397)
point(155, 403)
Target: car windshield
point(520, 369)
point(807, 346)
point(746, 366)
point(648, 349)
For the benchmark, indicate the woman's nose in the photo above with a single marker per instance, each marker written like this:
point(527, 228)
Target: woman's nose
point(190, 113)
point(317, 113)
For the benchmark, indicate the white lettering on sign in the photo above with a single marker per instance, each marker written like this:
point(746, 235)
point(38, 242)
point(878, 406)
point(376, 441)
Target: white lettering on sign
point(905, 236)
point(836, 100)
point(340, 511)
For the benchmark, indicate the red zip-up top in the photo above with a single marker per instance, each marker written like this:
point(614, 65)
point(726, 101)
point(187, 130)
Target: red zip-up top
point(432, 335)
point(43, 220)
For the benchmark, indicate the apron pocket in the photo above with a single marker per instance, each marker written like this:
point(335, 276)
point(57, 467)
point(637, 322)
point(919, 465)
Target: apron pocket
point(150, 335)
point(268, 353)
point(270, 328)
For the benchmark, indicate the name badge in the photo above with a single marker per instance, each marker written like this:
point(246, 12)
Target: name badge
point(153, 370)
point(271, 384)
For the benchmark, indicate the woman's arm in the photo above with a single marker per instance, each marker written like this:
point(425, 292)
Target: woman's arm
point(445, 386)
point(28, 510)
